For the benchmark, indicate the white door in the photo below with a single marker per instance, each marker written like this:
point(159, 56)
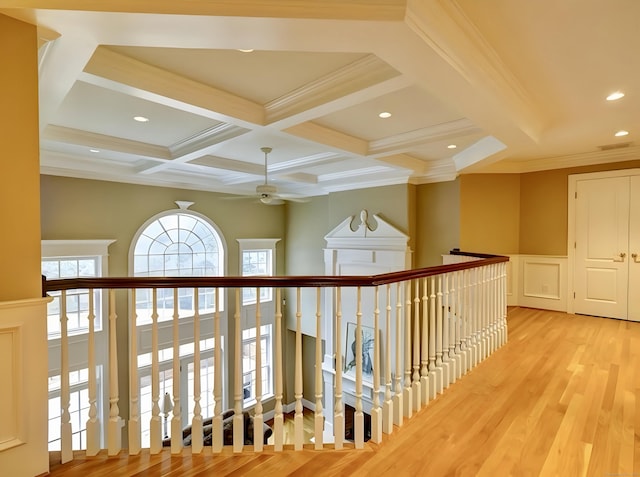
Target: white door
point(602, 247)
point(634, 250)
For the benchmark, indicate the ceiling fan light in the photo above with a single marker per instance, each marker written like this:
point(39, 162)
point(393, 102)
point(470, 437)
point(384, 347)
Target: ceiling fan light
point(265, 199)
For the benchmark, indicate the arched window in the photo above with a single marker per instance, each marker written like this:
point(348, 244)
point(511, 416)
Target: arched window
point(176, 244)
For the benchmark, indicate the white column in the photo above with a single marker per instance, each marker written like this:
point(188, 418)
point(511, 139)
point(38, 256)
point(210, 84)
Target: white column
point(134, 426)
point(278, 419)
point(216, 427)
point(416, 387)
point(387, 406)
point(93, 422)
point(176, 420)
point(65, 416)
point(298, 431)
point(376, 412)
point(196, 422)
point(155, 426)
point(258, 419)
point(444, 307)
point(114, 429)
point(319, 414)
point(358, 417)
point(238, 418)
point(338, 414)
point(398, 414)
point(424, 348)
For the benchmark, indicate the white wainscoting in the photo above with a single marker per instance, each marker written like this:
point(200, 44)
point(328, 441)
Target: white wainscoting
point(534, 281)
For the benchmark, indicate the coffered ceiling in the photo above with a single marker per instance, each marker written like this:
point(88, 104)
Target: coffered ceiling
point(514, 85)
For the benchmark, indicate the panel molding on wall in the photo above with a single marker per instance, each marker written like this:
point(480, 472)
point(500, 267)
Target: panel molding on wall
point(12, 431)
point(541, 281)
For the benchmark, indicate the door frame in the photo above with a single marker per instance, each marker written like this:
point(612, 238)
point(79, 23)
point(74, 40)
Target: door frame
point(571, 228)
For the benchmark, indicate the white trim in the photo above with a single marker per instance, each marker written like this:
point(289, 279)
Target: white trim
point(75, 248)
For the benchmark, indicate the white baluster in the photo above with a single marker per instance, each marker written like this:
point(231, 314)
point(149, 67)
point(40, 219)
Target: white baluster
point(216, 428)
point(134, 424)
point(435, 373)
point(464, 322)
point(358, 417)
point(258, 419)
point(387, 406)
point(444, 307)
point(398, 414)
point(93, 422)
point(453, 298)
point(376, 412)
point(298, 429)
point(319, 414)
point(474, 311)
point(424, 348)
point(338, 414)
point(278, 419)
point(176, 420)
point(441, 373)
point(457, 336)
point(407, 392)
point(196, 422)
point(493, 308)
point(238, 417)
point(486, 339)
point(503, 295)
point(416, 389)
point(155, 426)
point(65, 417)
point(114, 429)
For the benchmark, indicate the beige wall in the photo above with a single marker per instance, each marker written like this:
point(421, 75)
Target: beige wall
point(543, 207)
point(437, 220)
point(490, 213)
point(19, 165)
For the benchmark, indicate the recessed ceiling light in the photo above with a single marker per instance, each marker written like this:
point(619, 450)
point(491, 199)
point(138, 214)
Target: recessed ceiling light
point(141, 119)
point(94, 150)
point(245, 50)
point(615, 95)
point(622, 132)
point(451, 146)
point(385, 115)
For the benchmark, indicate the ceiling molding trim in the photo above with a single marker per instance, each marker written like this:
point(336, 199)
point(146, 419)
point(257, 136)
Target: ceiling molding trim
point(209, 137)
point(365, 184)
point(329, 137)
point(445, 27)
point(100, 141)
point(406, 141)
point(360, 74)
point(354, 173)
point(630, 153)
point(441, 170)
point(327, 157)
point(405, 161)
point(482, 150)
point(135, 74)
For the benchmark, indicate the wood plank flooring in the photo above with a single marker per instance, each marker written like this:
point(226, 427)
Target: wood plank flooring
point(561, 398)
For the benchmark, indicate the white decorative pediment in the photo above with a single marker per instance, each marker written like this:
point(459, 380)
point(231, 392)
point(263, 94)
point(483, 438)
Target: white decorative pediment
point(366, 233)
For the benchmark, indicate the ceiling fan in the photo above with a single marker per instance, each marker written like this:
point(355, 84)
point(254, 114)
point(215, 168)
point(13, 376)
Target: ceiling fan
point(268, 193)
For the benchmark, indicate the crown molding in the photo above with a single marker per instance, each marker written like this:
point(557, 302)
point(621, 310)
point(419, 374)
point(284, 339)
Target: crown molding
point(203, 139)
point(445, 27)
point(630, 153)
point(442, 170)
point(101, 141)
point(406, 141)
point(351, 78)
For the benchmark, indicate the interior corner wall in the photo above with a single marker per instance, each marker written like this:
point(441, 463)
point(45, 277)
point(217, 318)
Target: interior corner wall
point(20, 164)
point(490, 213)
point(437, 221)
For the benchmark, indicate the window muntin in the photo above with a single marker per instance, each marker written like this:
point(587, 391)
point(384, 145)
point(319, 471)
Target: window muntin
point(177, 244)
point(249, 363)
point(77, 300)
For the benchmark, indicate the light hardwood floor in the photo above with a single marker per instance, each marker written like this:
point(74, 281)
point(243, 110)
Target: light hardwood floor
point(561, 398)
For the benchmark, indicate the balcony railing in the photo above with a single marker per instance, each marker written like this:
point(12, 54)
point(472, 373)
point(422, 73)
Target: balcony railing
point(414, 333)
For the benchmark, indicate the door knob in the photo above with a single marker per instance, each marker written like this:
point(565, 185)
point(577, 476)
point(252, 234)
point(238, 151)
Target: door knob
point(635, 257)
point(621, 255)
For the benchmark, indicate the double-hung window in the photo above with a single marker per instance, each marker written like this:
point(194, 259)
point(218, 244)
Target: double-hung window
point(257, 259)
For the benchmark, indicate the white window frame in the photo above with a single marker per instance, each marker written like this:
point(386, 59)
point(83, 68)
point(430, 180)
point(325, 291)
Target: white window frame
point(74, 249)
point(257, 245)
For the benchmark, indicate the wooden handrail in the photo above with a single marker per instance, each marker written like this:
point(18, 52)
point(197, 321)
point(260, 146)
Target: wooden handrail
point(276, 281)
